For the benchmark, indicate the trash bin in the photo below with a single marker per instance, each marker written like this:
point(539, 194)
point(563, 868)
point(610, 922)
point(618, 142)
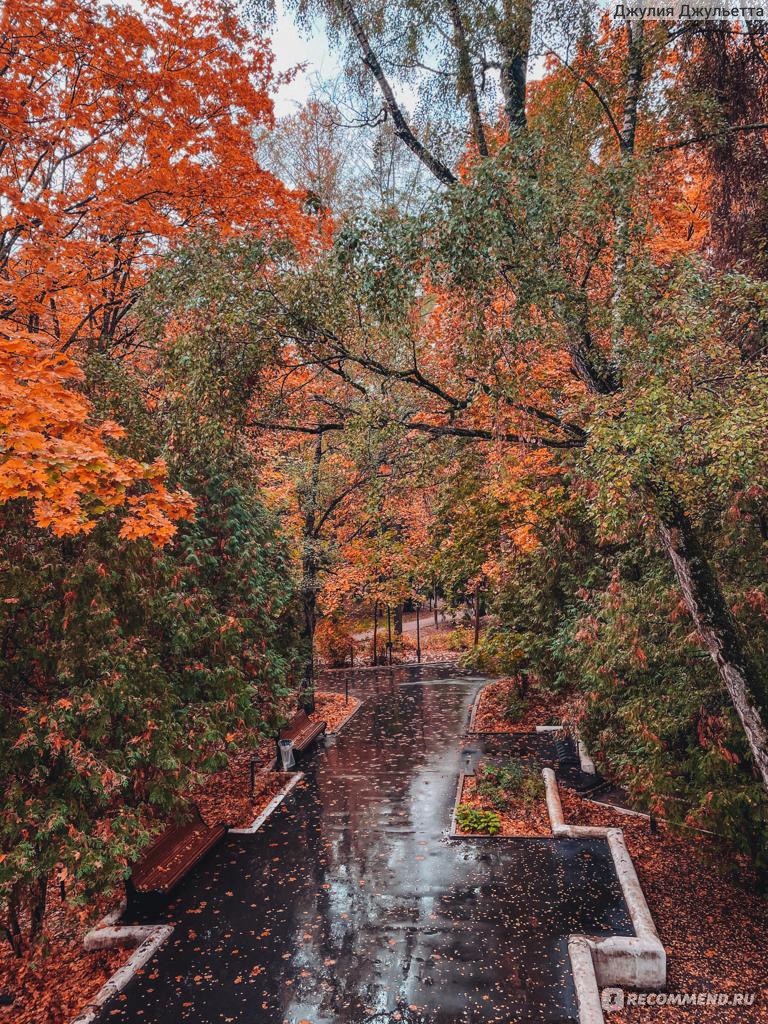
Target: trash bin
point(286, 754)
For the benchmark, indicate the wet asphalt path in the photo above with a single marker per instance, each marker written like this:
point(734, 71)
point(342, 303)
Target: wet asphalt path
point(352, 905)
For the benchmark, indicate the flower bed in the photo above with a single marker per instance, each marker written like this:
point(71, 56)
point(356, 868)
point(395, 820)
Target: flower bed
point(493, 804)
point(332, 708)
point(715, 930)
point(502, 707)
point(52, 986)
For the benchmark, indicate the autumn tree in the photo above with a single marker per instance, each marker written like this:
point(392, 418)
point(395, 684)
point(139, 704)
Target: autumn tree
point(573, 269)
point(134, 128)
point(146, 623)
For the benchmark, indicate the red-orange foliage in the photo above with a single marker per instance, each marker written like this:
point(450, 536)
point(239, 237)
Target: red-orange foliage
point(123, 131)
point(54, 456)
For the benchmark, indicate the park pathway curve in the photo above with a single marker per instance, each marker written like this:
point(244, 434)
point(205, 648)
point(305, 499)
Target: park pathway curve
point(352, 904)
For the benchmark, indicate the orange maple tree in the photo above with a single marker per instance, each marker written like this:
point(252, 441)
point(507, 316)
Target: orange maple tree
point(54, 455)
point(122, 133)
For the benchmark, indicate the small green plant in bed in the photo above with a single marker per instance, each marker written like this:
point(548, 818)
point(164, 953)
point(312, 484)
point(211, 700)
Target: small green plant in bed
point(473, 819)
point(502, 784)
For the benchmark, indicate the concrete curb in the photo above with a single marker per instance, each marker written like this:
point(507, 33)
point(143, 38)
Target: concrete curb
point(347, 720)
point(586, 762)
point(475, 706)
point(457, 800)
point(636, 961)
point(150, 937)
point(147, 938)
point(585, 980)
point(273, 804)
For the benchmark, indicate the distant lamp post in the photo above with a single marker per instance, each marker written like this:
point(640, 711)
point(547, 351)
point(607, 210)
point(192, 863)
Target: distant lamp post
point(418, 634)
point(389, 635)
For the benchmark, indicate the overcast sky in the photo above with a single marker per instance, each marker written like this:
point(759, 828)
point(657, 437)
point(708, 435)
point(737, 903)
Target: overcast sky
point(292, 48)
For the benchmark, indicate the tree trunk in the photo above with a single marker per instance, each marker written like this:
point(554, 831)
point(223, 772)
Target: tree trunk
point(389, 635)
point(309, 583)
point(466, 79)
point(307, 685)
point(418, 634)
point(38, 903)
point(398, 619)
point(477, 616)
point(12, 927)
point(716, 626)
point(402, 130)
point(627, 147)
point(515, 44)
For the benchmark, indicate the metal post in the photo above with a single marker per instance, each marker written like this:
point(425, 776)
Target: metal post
point(375, 630)
point(389, 634)
point(418, 634)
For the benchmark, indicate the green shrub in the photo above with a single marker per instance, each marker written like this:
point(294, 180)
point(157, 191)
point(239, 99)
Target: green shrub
point(500, 785)
point(498, 652)
point(472, 819)
point(515, 706)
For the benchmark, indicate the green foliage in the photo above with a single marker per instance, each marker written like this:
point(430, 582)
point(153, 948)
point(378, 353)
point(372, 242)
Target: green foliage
point(129, 672)
point(471, 819)
point(515, 706)
point(502, 784)
point(459, 639)
point(656, 712)
point(497, 653)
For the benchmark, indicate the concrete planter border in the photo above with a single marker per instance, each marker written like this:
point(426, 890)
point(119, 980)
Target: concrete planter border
point(108, 934)
point(453, 832)
point(636, 961)
point(147, 938)
point(273, 804)
point(475, 706)
point(347, 720)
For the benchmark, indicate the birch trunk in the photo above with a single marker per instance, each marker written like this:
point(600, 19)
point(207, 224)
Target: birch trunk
point(716, 627)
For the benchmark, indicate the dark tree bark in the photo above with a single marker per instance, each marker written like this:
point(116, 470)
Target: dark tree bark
point(375, 632)
point(398, 619)
point(402, 129)
point(309, 570)
point(716, 626)
point(634, 81)
point(466, 79)
point(12, 926)
point(515, 44)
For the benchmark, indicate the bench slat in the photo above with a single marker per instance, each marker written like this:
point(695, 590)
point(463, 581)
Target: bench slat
point(174, 853)
point(302, 731)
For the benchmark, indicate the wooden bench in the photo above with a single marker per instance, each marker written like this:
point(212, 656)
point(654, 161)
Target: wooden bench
point(302, 731)
point(174, 853)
